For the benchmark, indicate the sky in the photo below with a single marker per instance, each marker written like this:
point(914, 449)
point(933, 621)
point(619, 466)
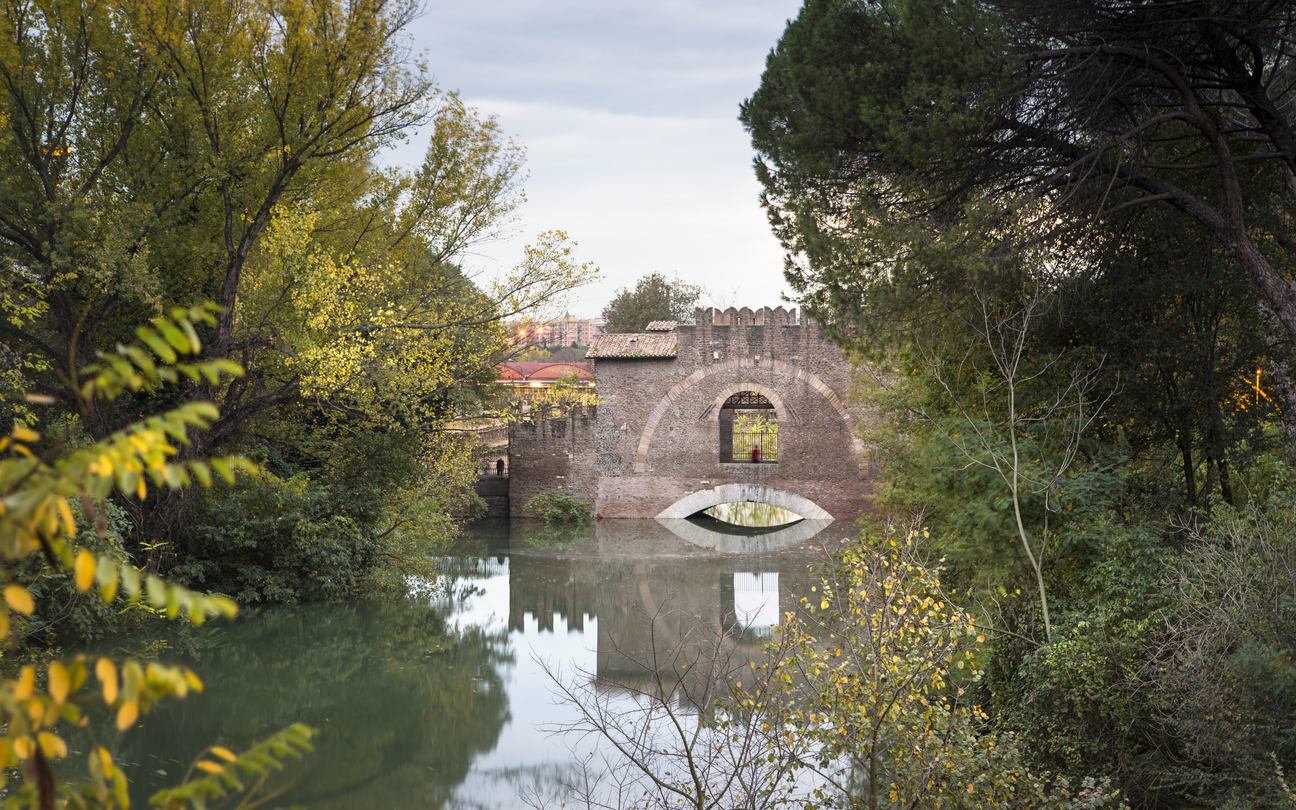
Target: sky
point(629, 114)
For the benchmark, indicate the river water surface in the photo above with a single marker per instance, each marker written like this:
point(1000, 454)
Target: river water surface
point(441, 699)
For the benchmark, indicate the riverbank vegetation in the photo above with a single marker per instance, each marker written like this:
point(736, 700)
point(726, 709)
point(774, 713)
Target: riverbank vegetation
point(1058, 242)
point(162, 157)
point(233, 342)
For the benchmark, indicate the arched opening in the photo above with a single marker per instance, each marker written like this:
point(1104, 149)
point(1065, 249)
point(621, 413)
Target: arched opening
point(704, 499)
point(749, 514)
point(748, 429)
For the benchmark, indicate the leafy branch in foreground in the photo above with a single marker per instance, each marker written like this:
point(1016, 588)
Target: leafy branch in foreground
point(36, 518)
point(228, 776)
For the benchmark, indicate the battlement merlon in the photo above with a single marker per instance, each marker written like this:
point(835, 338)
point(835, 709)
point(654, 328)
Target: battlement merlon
point(778, 316)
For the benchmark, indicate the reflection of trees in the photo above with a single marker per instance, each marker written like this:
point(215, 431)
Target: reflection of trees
point(752, 515)
point(403, 705)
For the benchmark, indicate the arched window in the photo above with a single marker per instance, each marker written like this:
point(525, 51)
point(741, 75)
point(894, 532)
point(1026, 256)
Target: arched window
point(748, 429)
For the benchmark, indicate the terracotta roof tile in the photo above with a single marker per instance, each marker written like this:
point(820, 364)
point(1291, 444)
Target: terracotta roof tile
point(542, 371)
point(634, 344)
point(660, 326)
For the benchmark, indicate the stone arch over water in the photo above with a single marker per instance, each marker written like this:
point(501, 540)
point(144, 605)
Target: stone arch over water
point(704, 499)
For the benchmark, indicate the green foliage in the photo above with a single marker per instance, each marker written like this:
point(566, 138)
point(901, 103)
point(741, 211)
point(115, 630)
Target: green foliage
point(1223, 672)
point(556, 506)
point(1187, 345)
point(1078, 706)
point(934, 167)
point(338, 533)
point(267, 540)
point(878, 676)
point(63, 613)
point(908, 148)
point(654, 298)
point(38, 520)
point(228, 152)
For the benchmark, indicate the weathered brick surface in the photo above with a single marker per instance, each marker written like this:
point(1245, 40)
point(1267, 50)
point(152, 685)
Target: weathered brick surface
point(551, 454)
point(657, 437)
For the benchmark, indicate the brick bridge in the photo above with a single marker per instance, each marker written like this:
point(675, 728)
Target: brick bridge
point(683, 406)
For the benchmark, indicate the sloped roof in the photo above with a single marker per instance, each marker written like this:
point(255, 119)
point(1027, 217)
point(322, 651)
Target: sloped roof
point(660, 326)
point(633, 344)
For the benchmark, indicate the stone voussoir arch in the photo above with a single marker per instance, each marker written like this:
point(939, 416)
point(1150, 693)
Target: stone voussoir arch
point(781, 411)
point(778, 366)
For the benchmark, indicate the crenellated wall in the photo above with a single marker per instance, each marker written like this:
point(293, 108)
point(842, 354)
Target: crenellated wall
point(658, 430)
point(656, 435)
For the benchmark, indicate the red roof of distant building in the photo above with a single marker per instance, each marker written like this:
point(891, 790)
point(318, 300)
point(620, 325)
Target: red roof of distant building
point(543, 372)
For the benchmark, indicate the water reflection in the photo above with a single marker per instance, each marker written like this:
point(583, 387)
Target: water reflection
point(753, 515)
point(436, 700)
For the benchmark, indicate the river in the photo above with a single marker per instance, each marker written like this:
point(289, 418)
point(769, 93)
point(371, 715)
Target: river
point(441, 699)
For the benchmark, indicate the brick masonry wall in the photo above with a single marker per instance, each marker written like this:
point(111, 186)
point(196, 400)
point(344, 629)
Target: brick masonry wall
point(657, 435)
point(551, 454)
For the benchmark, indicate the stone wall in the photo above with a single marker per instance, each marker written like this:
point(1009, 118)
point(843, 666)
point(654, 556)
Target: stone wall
point(494, 491)
point(555, 453)
point(658, 428)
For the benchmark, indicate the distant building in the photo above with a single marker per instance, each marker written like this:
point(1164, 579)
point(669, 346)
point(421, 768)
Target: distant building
point(571, 331)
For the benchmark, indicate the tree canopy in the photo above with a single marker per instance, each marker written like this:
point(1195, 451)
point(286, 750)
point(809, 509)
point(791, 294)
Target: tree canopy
point(1061, 236)
point(654, 298)
point(161, 154)
point(900, 123)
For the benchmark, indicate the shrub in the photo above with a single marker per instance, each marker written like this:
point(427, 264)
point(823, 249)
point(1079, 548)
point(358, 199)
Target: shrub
point(556, 506)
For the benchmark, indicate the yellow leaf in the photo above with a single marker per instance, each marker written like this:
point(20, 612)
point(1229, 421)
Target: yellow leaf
point(107, 674)
point(18, 598)
point(23, 434)
point(22, 747)
point(69, 525)
point(127, 715)
point(106, 761)
point(53, 745)
point(59, 682)
point(26, 680)
point(223, 752)
point(209, 766)
point(85, 571)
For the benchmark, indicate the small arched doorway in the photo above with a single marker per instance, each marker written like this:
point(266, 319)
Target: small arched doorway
point(748, 429)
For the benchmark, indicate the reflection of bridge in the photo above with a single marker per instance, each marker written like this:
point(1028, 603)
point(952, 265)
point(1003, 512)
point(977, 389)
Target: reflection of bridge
point(672, 402)
point(626, 573)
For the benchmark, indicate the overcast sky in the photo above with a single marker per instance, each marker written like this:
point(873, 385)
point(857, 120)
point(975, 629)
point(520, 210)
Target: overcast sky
point(629, 116)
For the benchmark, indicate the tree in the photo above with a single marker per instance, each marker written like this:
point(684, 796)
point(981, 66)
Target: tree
point(38, 539)
point(149, 148)
point(862, 701)
point(885, 129)
point(159, 155)
point(654, 298)
point(163, 155)
point(1191, 349)
point(1027, 442)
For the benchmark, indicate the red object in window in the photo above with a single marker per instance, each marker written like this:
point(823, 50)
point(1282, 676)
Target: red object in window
point(756, 455)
